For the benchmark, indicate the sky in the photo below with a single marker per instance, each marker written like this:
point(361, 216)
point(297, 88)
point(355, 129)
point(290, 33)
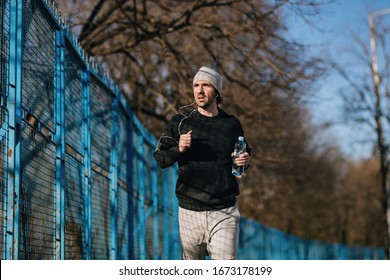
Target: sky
point(328, 34)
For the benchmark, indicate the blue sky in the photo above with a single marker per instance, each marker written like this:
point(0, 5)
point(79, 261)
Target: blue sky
point(329, 35)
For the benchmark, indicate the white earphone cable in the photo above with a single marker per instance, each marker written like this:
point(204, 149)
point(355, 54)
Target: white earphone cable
point(179, 126)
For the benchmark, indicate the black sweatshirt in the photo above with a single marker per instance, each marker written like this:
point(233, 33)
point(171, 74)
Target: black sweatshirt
point(205, 179)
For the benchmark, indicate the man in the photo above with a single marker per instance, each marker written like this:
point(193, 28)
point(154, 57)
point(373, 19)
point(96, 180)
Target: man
point(202, 142)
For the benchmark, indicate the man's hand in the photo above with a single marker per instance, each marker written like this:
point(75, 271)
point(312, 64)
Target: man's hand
point(185, 141)
point(243, 159)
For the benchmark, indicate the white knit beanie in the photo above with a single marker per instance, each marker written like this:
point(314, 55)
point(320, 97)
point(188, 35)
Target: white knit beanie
point(209, 75)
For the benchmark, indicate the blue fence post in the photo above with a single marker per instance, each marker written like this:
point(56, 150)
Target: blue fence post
point(59, 140)
point(175, 210)
point(129, 181)
point(155, 210)
point(114, 177)
point(15, 119)
point(141, 205)
point(87, 164)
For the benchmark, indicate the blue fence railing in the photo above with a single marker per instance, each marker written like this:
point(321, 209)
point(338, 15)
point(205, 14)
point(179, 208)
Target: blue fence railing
point(77, 181)
point(77, 176)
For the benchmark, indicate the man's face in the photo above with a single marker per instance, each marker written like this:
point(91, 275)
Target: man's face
point(204, 94)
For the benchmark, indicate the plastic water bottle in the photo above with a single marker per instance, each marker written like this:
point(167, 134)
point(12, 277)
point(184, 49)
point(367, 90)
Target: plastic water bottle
point(239, 148)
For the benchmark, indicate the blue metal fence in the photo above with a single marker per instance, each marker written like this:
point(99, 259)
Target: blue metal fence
point(77, 176)
point(77, 179)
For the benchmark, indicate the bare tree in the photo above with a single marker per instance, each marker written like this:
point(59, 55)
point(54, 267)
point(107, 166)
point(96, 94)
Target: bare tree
point(367, 102)
point(382, 142)
point(153, 49)
point(360, 210)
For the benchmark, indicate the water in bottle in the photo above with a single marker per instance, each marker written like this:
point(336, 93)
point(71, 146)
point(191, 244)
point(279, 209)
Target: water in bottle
point(239, 148)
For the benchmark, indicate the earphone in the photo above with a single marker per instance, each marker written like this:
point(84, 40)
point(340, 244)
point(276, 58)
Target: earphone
point(189, 115)
point(178, 127)
point(185, 117)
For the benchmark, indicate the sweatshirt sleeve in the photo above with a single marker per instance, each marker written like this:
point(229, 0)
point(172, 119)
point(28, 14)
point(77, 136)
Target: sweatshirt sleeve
point(167, 152)
point(240, 132)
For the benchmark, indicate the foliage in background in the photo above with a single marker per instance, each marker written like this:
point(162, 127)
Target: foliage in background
point(153, 49)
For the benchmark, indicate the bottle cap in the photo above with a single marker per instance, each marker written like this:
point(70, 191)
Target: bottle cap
point(240, 138)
